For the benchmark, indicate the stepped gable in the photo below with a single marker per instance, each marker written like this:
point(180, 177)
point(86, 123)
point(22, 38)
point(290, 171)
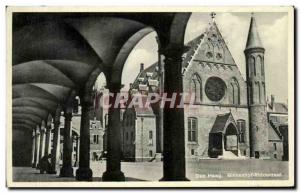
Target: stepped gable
point(142, 76)
point(140, 110)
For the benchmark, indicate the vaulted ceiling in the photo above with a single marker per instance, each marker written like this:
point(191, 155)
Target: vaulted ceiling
point(55, 54)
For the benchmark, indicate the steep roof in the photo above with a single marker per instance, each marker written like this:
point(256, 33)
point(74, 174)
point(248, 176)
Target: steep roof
point(273, 132)
point(220, 123)
point(253, 40)
point(278, 108)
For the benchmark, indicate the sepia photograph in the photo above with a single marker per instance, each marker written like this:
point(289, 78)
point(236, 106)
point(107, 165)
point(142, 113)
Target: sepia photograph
point(150, 97)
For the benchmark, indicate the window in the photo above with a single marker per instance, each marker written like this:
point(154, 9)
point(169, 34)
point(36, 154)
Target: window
point(260, 66)
point(96, 139)
point(275, 147)
point(196, 88)
point(150, 134)
point(150, 153)
point(252, 68)
point(192, 129)
point(234, 92)
point(241, 124)
point(192, 152)
point(150, 138)
point(275, 156)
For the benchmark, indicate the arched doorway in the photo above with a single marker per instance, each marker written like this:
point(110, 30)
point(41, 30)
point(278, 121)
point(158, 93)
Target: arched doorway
point(223, 137)
point(231, 139)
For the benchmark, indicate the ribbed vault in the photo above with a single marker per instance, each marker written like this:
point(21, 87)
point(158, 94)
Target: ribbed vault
point(55, 55)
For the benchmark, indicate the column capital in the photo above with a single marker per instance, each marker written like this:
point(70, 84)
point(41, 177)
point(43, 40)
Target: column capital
point(42, 129)
point(68, 116)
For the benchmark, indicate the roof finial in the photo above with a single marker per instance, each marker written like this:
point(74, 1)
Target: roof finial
point(213, 15)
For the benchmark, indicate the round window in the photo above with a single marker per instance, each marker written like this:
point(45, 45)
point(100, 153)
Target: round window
point(215, 88)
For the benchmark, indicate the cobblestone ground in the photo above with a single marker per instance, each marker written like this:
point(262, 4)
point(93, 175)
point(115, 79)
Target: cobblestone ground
point(196, 170)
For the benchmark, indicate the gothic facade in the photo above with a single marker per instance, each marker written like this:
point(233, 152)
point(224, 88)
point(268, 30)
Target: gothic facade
point(229, 118)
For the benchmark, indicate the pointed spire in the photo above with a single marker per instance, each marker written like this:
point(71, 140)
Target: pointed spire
point(253, 40)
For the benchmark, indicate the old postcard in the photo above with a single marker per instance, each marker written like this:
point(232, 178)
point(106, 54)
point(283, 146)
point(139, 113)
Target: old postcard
point(150, 97)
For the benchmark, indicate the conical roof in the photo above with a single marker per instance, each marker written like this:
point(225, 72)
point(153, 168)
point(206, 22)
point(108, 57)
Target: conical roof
point(253, 40)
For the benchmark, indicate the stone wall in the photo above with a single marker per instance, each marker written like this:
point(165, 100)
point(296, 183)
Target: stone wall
point(206, 116)
point(275, 153)
point(143, 143)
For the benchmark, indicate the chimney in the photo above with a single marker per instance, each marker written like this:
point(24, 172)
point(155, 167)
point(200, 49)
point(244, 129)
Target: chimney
point(272, 100)
point(141, 67)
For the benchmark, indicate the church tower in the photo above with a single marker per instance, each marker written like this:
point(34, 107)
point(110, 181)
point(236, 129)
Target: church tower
point(258, 125)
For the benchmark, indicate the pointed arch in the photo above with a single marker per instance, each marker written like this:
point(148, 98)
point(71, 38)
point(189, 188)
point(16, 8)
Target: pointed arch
point(252, 67)
point(196, 88)
point(234, 91)
point(260, 65)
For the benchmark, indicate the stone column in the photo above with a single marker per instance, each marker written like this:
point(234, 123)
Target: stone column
point(48, 140)
point(37, 148)
point(42, 144)
point(77, 151)
point(113, 163)
point(55, 153)
point(173, 141)
point(67, 169)
point(33, 149)
point(84, 172)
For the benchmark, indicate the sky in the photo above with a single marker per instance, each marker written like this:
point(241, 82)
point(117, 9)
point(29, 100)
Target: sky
point(272, 28)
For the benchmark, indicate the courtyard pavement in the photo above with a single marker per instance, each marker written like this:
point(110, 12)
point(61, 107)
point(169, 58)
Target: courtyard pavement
point(207, 170)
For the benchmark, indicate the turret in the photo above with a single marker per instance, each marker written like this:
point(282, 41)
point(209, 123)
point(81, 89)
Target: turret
point(258, 125)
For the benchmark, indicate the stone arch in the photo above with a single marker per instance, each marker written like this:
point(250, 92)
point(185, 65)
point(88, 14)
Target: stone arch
point(231, 138)
point(124, 52)
point(178, 28)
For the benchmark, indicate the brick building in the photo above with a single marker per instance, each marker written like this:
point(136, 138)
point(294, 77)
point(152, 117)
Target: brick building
point(278, 127)
point(139, 134)
point(230, 118)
